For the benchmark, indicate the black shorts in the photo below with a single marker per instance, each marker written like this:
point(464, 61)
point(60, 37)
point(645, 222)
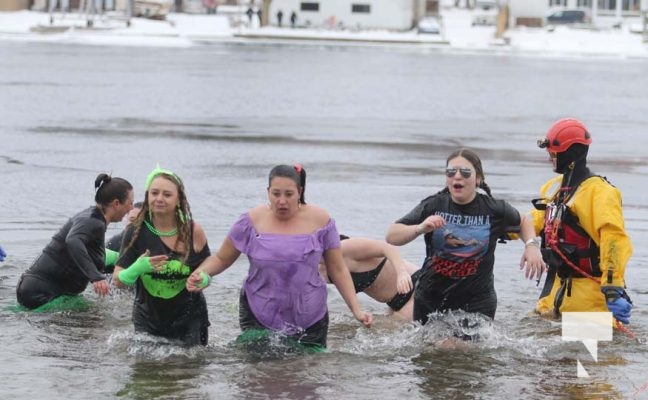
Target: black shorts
point(399, 301)
point(314, 335)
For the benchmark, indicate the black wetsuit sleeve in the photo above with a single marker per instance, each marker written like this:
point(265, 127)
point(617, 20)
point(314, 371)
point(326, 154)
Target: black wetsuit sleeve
point(86, 236)
point(114, 243)
point(511, 216)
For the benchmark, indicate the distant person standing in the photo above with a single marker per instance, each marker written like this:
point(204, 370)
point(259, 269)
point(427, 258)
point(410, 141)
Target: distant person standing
point(293, 19)
point(279, 18)
point(3, 254)
point(249, 14)
point(210, 6)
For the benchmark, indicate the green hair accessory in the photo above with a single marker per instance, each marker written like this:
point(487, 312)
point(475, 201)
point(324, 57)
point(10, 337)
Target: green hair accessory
point(157, 171)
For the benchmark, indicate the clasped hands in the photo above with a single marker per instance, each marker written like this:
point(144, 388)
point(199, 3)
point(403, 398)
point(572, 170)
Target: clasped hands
point(198, 280)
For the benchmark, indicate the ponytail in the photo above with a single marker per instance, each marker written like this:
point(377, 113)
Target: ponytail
point(108, 189)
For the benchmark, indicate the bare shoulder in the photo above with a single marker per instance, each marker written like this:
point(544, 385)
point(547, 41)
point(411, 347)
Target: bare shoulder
point(317, 214)
point(199, 236)
point(197, 228)
point(257, 212)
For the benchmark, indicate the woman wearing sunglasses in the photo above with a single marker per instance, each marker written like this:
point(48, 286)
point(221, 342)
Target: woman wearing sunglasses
point(461, 228)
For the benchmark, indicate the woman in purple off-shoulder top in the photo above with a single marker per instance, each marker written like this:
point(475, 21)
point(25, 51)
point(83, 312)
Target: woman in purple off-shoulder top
point(284, 241)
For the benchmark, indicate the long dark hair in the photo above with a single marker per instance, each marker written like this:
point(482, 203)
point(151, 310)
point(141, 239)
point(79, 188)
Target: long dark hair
point(296, 173)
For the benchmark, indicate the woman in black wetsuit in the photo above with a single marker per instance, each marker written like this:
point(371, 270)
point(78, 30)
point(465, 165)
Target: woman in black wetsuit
point(76, 254)
point(160, 249)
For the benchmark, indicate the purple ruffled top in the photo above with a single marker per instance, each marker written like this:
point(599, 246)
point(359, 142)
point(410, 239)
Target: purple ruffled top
point(284, 288)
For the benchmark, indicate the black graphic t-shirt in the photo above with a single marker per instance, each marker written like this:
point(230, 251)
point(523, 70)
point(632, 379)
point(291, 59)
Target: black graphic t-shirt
point(461, 254)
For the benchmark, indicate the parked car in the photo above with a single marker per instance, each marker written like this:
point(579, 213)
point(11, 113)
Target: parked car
point(486, 4)
point(484, 17)
point(568, 16)
point(429, 25)
point(153, 9)
point(484, 20)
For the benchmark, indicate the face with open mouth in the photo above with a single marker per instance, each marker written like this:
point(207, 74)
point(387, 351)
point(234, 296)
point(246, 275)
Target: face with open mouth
point(283, 195)
point(461, 180)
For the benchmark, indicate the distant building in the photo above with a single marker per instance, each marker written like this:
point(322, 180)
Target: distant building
point(533, 12)
point(357, 14)
point(527, 12)
point(14, 5)
point(603, 6)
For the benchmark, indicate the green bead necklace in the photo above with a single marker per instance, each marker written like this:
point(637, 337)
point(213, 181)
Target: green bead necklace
point(154, 230)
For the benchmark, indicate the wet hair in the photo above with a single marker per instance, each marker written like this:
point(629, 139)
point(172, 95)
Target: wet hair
point(182, 215)
point(474, 159)
point(296, 173)
point(108, 189)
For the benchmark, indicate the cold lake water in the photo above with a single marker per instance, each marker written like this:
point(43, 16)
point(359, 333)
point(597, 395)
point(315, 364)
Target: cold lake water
point(372, 125)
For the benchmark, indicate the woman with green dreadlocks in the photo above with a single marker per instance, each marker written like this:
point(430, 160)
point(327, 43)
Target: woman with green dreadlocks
point(159, 251)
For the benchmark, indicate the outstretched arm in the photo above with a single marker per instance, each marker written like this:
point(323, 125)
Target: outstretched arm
point(340, 276)
point(213, 265)
point(531, 261)
point(403, 279)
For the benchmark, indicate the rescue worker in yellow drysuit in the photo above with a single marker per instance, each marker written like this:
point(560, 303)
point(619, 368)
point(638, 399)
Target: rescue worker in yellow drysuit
point(580, 222)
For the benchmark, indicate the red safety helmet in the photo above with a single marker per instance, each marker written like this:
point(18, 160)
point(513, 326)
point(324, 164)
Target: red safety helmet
point(563, 133)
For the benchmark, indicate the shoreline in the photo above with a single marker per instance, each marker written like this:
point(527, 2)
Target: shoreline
point(458, 36)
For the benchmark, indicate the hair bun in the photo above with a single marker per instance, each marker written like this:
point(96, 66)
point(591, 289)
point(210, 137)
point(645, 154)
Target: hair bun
point(101, 179)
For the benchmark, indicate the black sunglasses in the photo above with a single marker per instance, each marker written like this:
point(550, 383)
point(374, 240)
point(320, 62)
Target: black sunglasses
point(465, 172)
